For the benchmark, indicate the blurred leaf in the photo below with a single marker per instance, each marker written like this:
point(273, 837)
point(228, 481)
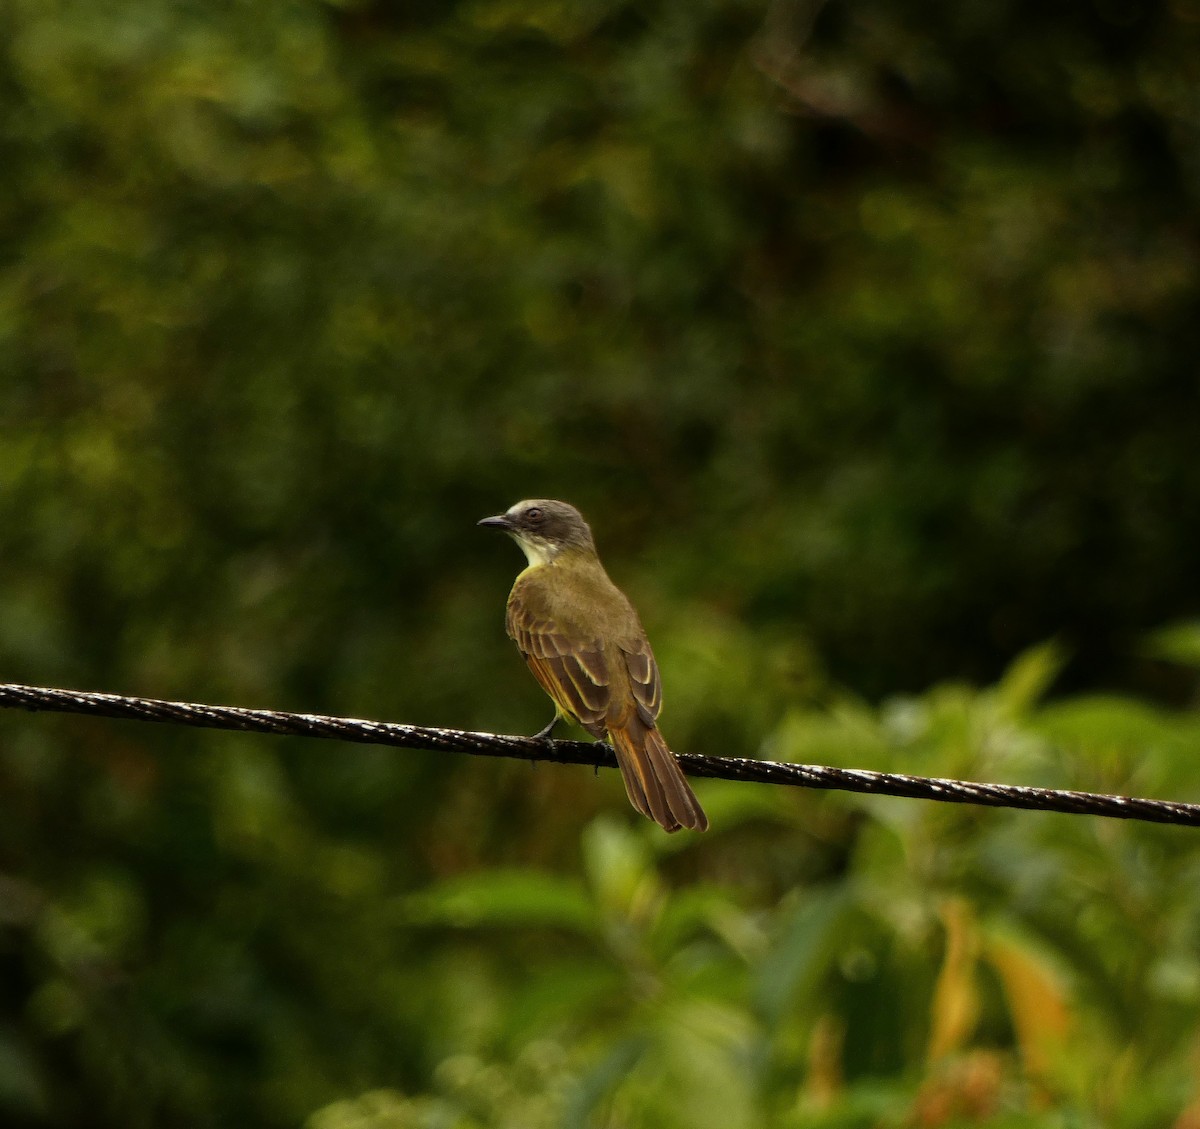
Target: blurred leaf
point(805, 944)
point(619, 868)
point(1041, 1007)
point(513, 898)
point(1029, 677)
point(599, 1081)
point(1179, 643)
point(955, 1008)
point(380, 1109)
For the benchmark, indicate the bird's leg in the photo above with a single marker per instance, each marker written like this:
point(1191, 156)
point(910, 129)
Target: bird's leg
point(544, 734)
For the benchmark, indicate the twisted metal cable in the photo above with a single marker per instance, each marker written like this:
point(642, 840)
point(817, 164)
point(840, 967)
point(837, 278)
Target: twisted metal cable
point(39, 698)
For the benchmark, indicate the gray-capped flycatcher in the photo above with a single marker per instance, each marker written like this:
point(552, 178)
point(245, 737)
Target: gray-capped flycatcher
point(586, 646)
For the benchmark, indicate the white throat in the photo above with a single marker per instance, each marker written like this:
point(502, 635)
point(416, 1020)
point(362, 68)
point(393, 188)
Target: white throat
point(537, 552)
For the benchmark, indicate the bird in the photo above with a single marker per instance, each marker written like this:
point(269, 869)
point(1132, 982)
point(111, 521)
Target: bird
point(584, 643)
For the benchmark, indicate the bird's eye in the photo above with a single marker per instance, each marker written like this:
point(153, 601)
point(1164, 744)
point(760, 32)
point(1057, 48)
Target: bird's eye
point(534, 513)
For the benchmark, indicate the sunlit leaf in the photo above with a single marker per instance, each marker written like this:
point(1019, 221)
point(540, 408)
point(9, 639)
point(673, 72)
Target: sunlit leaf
point(1041, 1005)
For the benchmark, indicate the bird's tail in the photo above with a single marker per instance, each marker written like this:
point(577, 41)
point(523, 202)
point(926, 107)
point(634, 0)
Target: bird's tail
point(653, 779)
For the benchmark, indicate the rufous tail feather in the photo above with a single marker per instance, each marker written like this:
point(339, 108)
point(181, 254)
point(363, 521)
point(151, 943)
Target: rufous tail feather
point(653, 779)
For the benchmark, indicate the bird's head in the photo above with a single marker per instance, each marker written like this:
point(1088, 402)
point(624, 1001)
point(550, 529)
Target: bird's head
point(544, 528)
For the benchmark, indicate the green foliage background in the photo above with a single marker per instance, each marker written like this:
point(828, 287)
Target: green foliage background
point(866, 335)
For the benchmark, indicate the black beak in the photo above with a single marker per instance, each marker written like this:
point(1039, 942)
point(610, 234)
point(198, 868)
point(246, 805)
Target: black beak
point(500, 521)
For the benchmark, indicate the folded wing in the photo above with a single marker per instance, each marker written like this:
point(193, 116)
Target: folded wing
point(643, 678)
point(573, 671)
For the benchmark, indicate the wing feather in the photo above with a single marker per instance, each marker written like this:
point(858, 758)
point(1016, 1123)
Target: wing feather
point(644, 678)
point(572, 671)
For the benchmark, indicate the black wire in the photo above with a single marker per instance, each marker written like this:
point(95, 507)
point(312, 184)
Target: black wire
point(37, 698)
